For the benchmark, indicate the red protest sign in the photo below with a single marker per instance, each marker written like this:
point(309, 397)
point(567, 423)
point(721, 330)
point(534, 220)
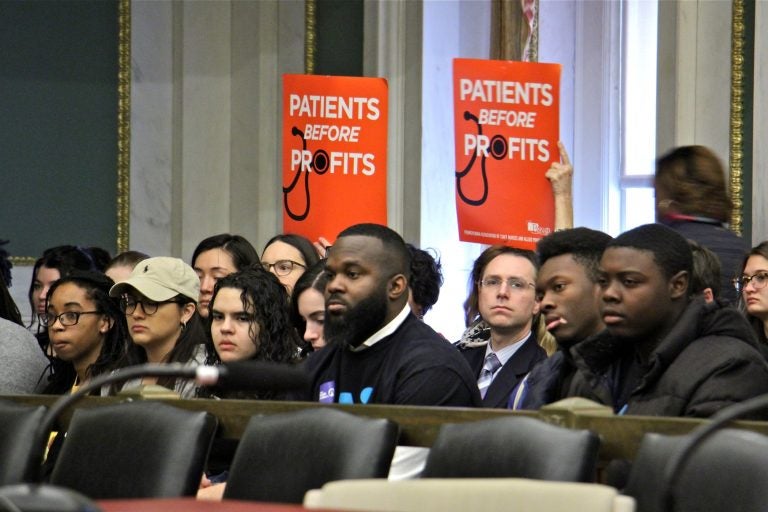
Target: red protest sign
point(334, 153)
point(506, 117)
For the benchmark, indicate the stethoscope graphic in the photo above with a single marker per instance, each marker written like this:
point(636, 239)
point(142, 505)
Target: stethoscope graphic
point(498, 147)
point(319, 165)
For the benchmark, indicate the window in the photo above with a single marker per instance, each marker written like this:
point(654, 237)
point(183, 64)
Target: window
point(638, 121)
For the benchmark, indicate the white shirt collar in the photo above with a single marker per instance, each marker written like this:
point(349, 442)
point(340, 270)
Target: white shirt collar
point(385, 331)
point(506, 353)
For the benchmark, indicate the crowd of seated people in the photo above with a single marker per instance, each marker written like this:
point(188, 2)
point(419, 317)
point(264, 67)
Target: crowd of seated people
point(531, 316)
point(642, 322)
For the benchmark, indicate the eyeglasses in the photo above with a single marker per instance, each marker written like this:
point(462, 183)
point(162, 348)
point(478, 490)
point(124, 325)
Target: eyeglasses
point(67, 319)
point(758, 280)
point(282, 267)
point(128, 305)
point(513, 283)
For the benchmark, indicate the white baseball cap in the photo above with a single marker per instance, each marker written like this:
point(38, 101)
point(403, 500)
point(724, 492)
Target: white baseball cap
point(159, 279)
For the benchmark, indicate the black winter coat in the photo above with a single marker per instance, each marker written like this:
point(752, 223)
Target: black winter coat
point(709, 360)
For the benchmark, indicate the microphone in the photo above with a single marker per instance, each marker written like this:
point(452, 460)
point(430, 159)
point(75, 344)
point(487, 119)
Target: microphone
point(678, 459)
point(241, 375)
point(254, 376)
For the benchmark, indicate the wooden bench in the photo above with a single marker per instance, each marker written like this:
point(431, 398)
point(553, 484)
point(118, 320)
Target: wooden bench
point(620, 435)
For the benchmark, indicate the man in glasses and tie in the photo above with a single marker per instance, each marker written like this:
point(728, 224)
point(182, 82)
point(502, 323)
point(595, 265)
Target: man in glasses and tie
point(500, 345)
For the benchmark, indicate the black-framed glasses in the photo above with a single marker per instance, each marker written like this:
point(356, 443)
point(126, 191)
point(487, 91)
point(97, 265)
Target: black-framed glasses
point(513, 283)
point(758, 280)
point(128, 305)
point(282, 267)
point(67, 319)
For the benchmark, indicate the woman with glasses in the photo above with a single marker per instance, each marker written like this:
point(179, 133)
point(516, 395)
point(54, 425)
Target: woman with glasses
point(86, 328)
point(218, 256)
point(88, 336)
point(159, 301)
point(55, 263)
point(288, 257)
point(753, 292)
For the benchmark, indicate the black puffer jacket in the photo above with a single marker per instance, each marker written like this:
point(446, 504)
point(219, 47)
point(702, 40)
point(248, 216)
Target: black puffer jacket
point(709, 360)
point(549, 380)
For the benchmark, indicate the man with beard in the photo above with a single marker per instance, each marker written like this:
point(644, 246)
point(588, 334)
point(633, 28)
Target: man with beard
point(663, 353)
point(500, 309)
point(570, 303)
point(378, 351)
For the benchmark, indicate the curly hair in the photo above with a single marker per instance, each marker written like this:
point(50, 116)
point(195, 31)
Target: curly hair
point(426, 277)
point(585, 246)
point(96, 287)
point(262, 293)
point(271, 330)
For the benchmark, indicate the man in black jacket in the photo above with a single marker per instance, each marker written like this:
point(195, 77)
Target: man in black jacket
point(663, 353)
point(570, 304)
point(378, 351)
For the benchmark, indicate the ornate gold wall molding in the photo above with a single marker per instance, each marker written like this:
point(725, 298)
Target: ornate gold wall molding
point(515, 30)
point(121, 110)
point(310, 33)
point(123, 124)
point(736, 143)
point(533, 45)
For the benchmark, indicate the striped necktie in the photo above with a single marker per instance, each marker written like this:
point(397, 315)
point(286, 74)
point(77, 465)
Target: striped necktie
point(491, 366)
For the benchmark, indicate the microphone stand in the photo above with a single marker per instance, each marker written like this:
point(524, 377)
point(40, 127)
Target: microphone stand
point(690, 443)
point(122, 375)
point(39, 497)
